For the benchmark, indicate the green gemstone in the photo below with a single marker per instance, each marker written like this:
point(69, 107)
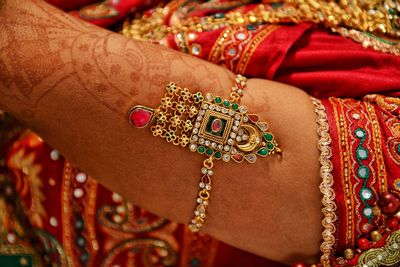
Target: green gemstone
point(201, 149)
point(209, 151)
point(219, 15)
point(235, 106)
point(276, 5)
point(362, 153)
point(270, 146)
point(268, 137)
point(218, 155)
point(363, 172)
point(398, 149)
point(397, 185)
point(360, 133)
point(250, 27)
point(262, 151)
point(226, 103)
point(218, 100)
point(366, 194)
point(392, 11)
point(367, 212)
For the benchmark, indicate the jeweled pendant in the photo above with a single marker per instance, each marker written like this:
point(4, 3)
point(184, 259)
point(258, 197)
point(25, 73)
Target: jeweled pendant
point(209, 125)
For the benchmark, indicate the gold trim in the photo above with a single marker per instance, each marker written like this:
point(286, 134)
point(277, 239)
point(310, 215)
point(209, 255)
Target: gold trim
point(328, 198)
point(368, 41)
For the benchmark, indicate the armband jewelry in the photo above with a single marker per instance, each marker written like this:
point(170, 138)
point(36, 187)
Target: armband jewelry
point(220, 129)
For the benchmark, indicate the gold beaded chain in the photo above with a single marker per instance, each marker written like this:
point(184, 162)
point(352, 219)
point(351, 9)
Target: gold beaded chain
point(370, 16)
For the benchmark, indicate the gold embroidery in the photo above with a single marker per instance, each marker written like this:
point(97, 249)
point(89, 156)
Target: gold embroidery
point(30, 173)
point(368, 18)
point(345, 172)
point(388, 255)
point(370, 41)
point(377, 137)
point(328, 199)
point(66, 214)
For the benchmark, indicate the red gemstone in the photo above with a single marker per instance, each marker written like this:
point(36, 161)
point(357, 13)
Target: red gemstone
point(299, 264)
point(216, 125)
point(253, 118)
point(238, 157)
point(392, 222)
point(363, 243)
point(389, 203)
point(140, 117)
point(205, 179)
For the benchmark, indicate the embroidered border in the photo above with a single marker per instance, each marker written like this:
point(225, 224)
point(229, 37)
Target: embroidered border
point(345, 164)
point(377, 138)
point(328, 199)
point(66, 214)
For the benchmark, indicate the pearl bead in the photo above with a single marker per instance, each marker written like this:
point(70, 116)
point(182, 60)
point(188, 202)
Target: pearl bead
point(78, 192)
point(53, 221)
point(363, 243)
point(54, 155)
point(376, 236)
point(348, 253)
point(81, 177)
point(116, 197)
point(11, 238)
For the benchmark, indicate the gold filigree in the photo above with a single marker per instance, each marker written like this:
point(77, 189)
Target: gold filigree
point(173, 117)
point(326, 186)
point(388, 255)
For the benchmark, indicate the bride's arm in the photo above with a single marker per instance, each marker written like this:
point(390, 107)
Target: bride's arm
point(74, 83)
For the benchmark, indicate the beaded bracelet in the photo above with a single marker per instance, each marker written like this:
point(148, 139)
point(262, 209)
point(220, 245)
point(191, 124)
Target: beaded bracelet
point(219, 129)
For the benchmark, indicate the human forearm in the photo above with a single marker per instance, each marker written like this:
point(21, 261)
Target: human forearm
point(74, 83)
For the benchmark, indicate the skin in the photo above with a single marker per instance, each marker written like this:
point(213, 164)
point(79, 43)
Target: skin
point(73, 84)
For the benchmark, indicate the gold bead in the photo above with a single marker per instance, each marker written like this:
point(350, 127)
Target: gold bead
point(348, 253)
point(376, 211)
point(376, 236)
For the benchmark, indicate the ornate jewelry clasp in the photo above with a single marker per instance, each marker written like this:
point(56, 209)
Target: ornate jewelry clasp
point(221, 129)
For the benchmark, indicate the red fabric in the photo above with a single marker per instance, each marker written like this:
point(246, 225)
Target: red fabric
point(376, 118)
point(325, 64)
point(111, 227)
